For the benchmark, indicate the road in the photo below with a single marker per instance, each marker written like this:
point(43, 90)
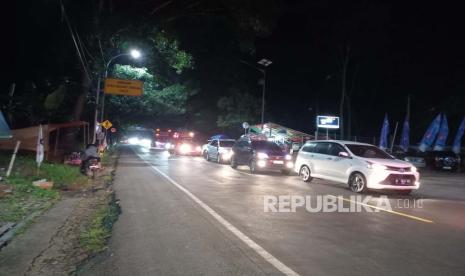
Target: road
point(187, 216)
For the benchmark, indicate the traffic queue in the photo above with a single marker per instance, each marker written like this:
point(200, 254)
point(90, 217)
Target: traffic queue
point(360, 166)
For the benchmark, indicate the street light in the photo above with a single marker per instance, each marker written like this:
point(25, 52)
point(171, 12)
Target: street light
point(265, 63)
point(134, 53)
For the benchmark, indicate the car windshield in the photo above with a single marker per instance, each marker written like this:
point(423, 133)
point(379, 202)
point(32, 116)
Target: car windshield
point(367, 151)
point(227, 144)
point(266, 145)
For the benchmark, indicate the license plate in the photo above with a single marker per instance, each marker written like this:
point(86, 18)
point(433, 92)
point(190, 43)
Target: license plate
point(403, 181)
point(278, 162)
point(447, 168)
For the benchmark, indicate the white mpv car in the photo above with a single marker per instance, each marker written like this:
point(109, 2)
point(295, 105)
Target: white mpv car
point(361, 166)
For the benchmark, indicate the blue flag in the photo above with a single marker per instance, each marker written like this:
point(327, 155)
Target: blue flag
point(404, 139)
point(442, 135)
point(430, 134)
point(383, 139)
point(5, 131)
point(458, 138)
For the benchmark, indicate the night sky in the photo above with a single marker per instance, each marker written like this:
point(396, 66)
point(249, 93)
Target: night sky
point(397, 49)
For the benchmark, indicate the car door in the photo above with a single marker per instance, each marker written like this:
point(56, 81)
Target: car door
point(305, 156)
point(213, 149)
point(321, 159)
point(337, 166)
point(240, 151)
point(247, 152)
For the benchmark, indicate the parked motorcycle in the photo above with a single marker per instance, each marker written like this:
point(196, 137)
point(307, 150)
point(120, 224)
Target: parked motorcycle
point(92, 166)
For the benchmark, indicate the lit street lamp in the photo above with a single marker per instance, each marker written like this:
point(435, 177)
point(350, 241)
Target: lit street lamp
point(134, 54)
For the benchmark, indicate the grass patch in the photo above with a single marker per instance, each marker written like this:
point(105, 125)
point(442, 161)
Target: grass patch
point(26, 198)
point(95, 237)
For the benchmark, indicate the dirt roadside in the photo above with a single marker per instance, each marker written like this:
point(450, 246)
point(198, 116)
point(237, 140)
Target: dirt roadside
point(77, 236)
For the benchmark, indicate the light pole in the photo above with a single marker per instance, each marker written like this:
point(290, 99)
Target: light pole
point(265, 63)
point(134, 54)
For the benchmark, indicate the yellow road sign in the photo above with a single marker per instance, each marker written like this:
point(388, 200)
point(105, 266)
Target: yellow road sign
point(106, 124)
point(124, 87)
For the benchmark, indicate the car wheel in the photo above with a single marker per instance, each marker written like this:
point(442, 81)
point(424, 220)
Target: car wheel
point(357, 183)
point(305, 174)
point(404, 192)
point(218, 158)
point(208, 157)
point(205, 155)
point(252, 166)
point(233, 162)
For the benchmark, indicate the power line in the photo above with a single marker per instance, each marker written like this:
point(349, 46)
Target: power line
point(74, 40)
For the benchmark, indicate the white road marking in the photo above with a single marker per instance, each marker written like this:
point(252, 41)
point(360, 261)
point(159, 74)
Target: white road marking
point(248, 241)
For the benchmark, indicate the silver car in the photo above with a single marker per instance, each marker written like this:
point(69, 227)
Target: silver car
point(219, 150)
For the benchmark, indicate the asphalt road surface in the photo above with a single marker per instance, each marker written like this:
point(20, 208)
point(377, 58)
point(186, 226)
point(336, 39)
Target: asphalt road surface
point(187, 216)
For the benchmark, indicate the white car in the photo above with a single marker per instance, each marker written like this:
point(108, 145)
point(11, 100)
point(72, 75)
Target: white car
point(361, 166)
point(219, 150)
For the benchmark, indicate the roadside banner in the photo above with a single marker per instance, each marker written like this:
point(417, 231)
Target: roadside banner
point(430, 134)
point(5, 131)
point(458, 138)
point(383, 139)
point(405, 139)
point(442, 135)
point(40, 147)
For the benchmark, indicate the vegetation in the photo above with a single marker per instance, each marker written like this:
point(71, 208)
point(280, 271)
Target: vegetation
point(190, 59)
point(94, 238)
point(26, 198)
point(95, 235)
point(238, 108)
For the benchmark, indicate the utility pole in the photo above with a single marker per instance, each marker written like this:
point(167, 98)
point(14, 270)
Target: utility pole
point(344, 66)
point(97, 96)
point(263, 98)
point(265, 63)
point(10, 103)
point(408, 107)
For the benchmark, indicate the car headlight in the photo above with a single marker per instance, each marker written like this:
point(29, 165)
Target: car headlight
point(413, 169)
point(184, 148)
point(133, 140)
point(262, 155)
point(167, 145)
point(376, 166)
point(288, 157)
point(145, 142)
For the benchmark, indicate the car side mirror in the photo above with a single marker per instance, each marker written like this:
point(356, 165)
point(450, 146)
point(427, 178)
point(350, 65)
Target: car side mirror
point(344, 154)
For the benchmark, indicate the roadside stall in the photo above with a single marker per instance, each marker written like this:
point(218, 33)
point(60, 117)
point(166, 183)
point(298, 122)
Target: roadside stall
point(289, 139)
point(59, 139)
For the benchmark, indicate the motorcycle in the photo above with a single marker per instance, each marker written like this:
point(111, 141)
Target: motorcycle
point(92, 167)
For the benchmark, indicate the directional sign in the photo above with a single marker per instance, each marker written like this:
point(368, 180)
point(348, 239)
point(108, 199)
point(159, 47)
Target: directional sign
point(124, 87)
point(327, 122)
point(106, 124)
